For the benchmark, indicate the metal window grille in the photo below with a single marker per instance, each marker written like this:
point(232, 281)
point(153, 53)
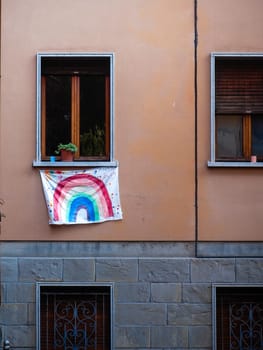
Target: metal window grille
point(240, 319)
point(75, 318)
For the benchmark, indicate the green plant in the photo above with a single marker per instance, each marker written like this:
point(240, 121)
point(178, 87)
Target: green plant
point(92, 143)
point(2, 215)
point(67, 147)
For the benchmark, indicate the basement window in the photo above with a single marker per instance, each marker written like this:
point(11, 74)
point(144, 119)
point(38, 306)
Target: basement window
point(75, 105)
point(74, 317)
point(238, 322)
point(236, 109)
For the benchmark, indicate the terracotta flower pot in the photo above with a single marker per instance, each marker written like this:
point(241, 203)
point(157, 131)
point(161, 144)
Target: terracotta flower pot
point(66, 156)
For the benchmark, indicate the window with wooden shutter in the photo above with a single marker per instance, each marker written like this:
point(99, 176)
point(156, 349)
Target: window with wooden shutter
point(237, 107)
point(75, 105)
point(75, 318)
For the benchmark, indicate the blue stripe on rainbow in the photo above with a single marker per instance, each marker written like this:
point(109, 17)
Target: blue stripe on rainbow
point(86, 203)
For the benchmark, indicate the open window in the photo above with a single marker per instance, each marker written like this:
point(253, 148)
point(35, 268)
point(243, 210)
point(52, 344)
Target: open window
point(238, 321)
point(75, 105)
point(74, 317)
point(236, 107)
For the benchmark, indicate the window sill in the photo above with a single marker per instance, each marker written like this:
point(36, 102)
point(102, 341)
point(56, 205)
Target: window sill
point(58, 164)
point(214, 164)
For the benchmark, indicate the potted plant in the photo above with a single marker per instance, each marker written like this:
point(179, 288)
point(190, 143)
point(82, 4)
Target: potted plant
point(66, 151)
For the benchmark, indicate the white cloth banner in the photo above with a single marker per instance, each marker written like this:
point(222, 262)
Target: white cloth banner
point(82, 196)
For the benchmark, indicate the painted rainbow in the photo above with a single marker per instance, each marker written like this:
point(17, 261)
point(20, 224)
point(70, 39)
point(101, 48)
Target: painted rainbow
point(81, 198)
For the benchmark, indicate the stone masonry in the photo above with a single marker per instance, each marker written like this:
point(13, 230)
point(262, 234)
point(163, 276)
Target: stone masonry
point(162, 291)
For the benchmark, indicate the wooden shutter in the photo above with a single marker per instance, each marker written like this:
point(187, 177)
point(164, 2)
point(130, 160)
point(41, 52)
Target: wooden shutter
point(239, 86)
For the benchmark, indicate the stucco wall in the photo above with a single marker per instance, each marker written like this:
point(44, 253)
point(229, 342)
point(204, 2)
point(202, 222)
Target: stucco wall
point(230, 201)
point(153, 112)
point(153, 42)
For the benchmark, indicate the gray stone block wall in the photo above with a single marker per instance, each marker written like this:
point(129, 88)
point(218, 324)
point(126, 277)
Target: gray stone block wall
point(161, 301)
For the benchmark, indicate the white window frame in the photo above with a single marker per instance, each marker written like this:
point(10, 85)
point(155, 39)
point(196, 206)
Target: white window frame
point(212, 162)
point(38, 161)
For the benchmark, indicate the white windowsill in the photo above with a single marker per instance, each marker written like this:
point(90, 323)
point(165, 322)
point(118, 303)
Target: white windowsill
point(59, 164)
point(214, 164)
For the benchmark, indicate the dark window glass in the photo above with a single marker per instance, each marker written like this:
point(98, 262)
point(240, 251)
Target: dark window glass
point(257, 135)
point(58, 111)
point(229, 136)
point(92, 115)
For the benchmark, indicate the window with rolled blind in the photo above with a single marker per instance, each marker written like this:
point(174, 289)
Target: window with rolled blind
point(75, 317)
point(237, 107)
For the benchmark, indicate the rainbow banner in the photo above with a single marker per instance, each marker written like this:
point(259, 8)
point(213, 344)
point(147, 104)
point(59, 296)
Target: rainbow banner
point(82, 196)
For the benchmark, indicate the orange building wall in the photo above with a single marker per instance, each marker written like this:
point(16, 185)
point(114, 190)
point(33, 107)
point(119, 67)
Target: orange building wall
point(154, 112)
point(230, 200)
point(153, 42)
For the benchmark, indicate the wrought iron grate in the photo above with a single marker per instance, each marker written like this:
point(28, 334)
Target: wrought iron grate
point(240, 318)
point(75, 319)
point(246, 324)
